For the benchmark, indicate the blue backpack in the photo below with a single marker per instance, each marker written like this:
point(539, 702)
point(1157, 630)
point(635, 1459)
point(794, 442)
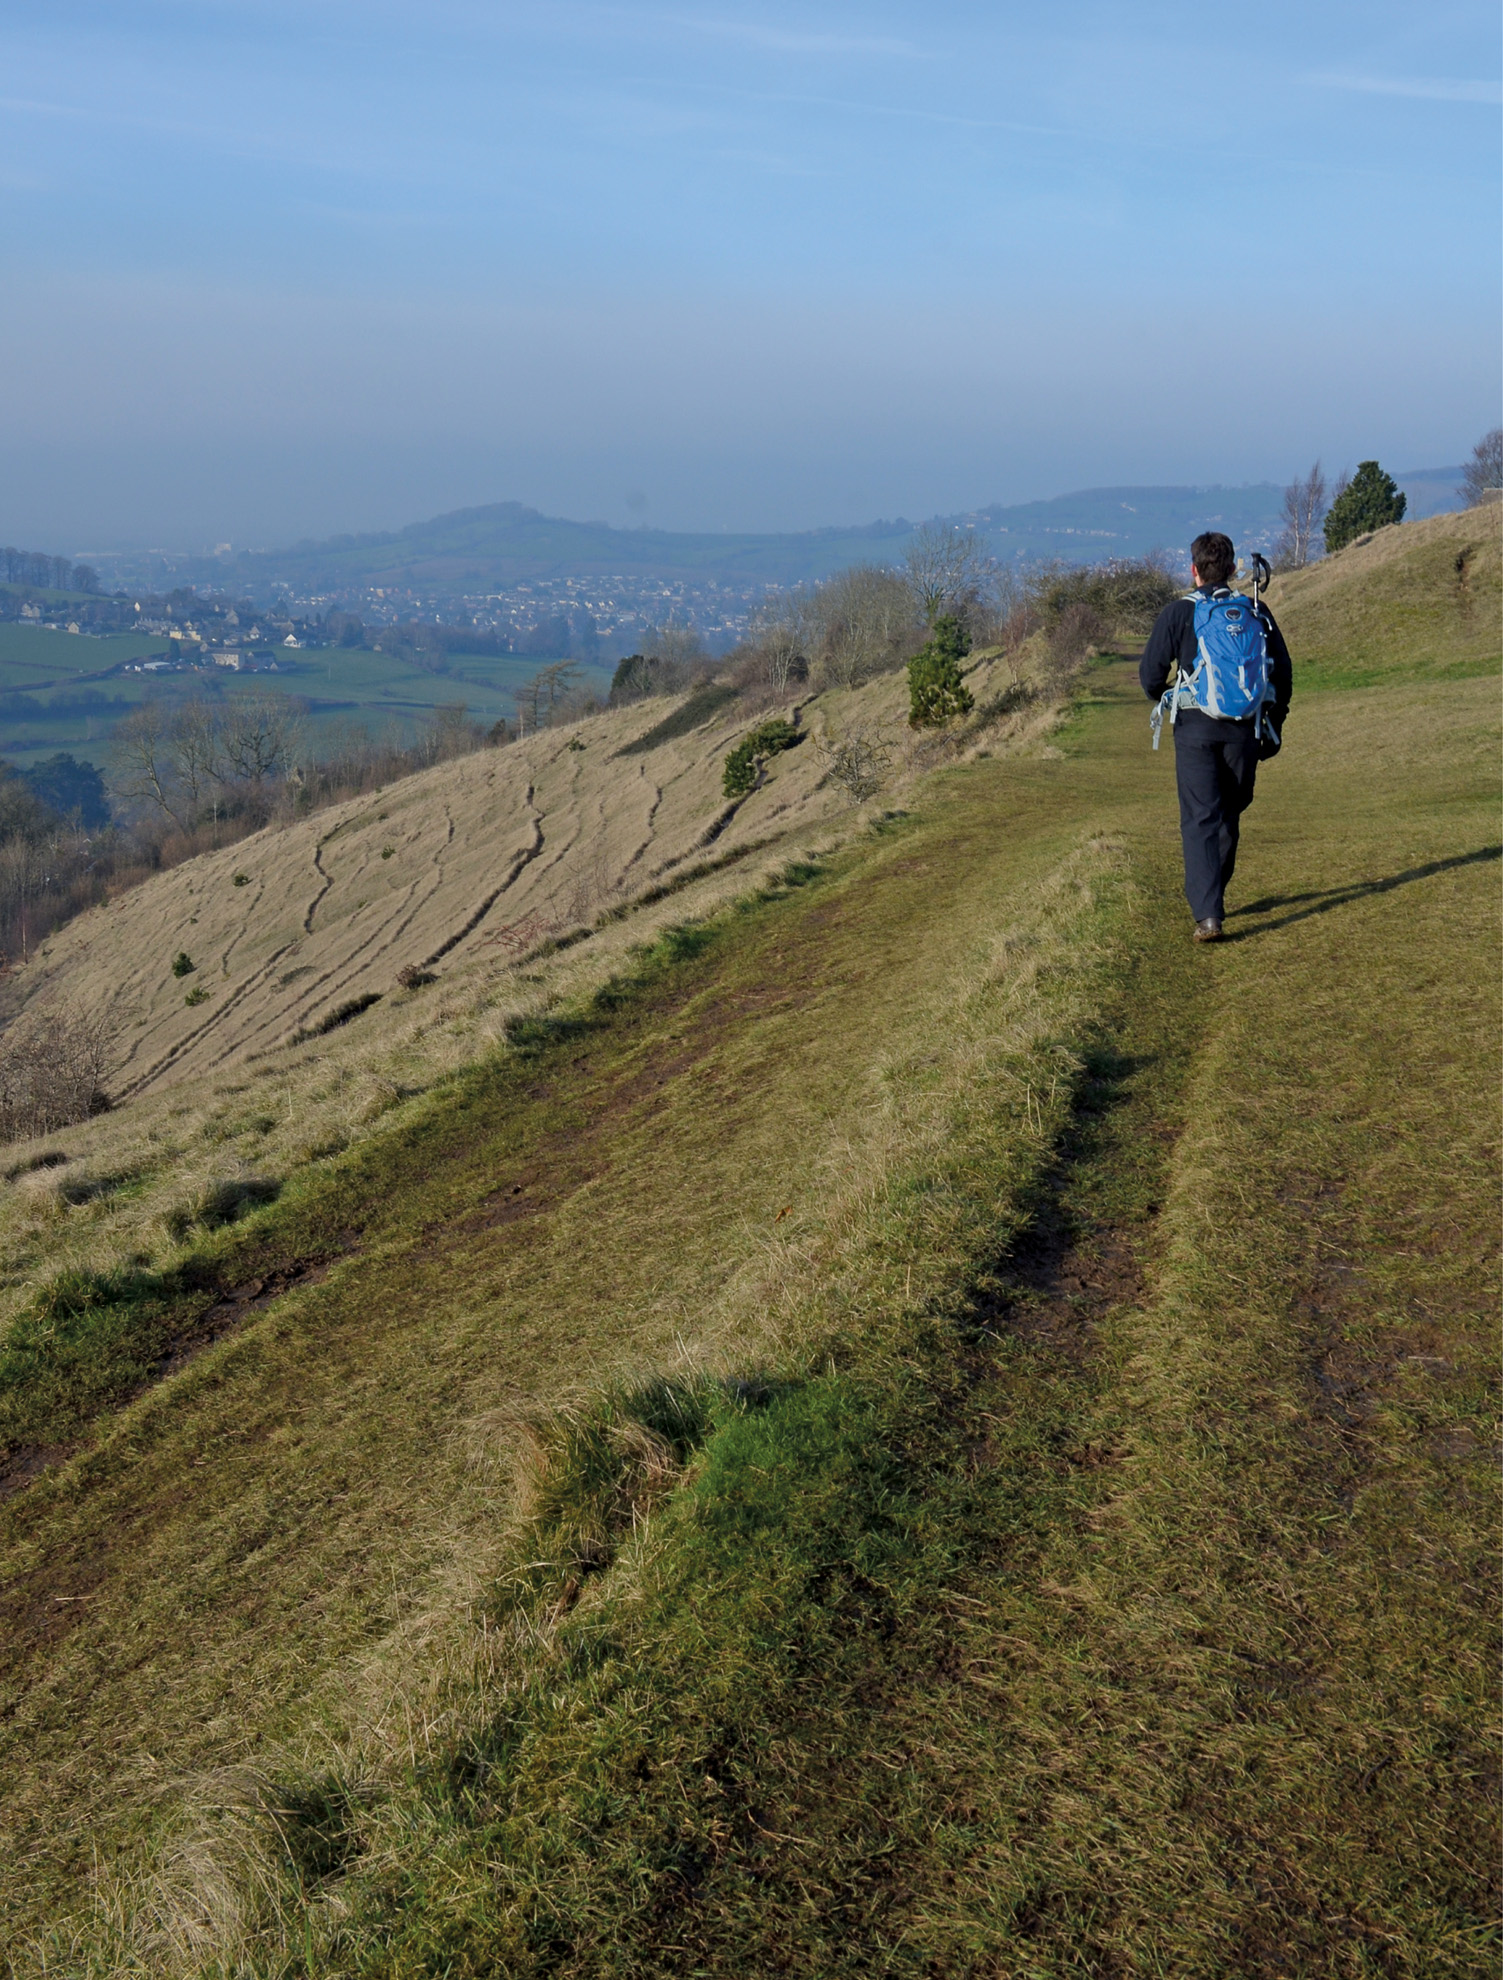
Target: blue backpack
point(1231, 679)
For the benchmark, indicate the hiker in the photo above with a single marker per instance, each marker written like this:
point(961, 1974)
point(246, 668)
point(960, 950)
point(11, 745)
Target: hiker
point(1231, 687)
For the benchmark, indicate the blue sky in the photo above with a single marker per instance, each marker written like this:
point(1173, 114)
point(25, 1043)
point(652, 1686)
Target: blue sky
point(276, 269)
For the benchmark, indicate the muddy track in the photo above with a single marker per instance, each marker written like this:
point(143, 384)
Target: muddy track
point(225, 1311)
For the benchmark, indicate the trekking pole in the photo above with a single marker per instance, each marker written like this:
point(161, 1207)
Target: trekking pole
point(1261, 573)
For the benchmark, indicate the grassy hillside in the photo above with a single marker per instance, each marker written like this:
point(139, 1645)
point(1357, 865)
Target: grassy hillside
point(1419, 601)
point(912, 1422)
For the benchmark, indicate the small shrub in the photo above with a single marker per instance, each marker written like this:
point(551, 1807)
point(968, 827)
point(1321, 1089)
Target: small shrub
point(387, 851)
point(859, 762)
point(197, 995)
point(242, 879)
point(183, 964)
point(936, 691)
point(575, 743)
point(411, 977)
point(744, 764)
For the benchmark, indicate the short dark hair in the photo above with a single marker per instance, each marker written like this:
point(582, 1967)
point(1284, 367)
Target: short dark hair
point(1213, 556)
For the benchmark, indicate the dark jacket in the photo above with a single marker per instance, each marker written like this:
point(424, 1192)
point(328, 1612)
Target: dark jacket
point(1173, 640)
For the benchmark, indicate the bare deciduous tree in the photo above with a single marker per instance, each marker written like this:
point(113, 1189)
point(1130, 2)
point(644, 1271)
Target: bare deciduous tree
point(258, 733)
point(451, 732)
point(862, 622)
point(676, 645)
point(539, 700)
point(148, 772)
point(1483, 473)
point(195, 752)
point(1304, 511)
point(779, 637)
point(949, 572)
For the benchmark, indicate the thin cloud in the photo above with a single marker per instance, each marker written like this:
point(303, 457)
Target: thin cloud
point(789, 41)
point(1427, 89)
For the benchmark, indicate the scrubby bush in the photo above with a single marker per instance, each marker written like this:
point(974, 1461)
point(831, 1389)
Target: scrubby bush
point(183, 964)
point(53, 1069)
point(1078, 629)
point(673, 659)
point(936, 691)
point(1371, 500)
point(859, 762)
point(744, 764)
point(1122, 596)
point(861, 624)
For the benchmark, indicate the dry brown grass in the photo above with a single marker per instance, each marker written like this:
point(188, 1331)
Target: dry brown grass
point(218, 1091)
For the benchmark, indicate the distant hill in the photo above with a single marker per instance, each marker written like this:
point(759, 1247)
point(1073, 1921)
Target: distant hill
point(506, 543)
point(1431, 492)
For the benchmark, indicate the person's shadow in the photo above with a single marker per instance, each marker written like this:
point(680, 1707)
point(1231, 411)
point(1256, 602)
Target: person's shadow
point(1304, 905)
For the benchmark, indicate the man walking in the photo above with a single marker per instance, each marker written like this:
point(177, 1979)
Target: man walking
point(1231, 678)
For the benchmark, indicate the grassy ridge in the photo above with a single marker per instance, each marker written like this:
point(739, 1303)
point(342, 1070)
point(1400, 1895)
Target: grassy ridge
point(972, 1654)
point(1058, 1550)
point(260, 1484)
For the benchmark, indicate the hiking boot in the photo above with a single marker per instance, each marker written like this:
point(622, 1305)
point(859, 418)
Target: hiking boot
point(1208, 930)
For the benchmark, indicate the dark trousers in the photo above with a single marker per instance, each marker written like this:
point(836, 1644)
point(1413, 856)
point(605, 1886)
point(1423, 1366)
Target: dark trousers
point(1214, 766)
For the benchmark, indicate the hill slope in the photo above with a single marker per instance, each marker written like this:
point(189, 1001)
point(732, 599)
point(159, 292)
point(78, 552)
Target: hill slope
point(506, 543)
point(465, 868)
point(925, 1425)
point(1417, 601)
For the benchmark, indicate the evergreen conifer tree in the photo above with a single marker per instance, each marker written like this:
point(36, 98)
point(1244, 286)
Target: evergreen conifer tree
point(935, 688)
point(1370, 499)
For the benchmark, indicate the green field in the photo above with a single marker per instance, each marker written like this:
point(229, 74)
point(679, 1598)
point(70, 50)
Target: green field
point(57, 672)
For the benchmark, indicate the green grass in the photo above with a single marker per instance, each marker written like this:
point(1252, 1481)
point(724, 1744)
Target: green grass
point(341, 687)
point(1025, 1511)
point(36, 656)
point(1420, 602)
